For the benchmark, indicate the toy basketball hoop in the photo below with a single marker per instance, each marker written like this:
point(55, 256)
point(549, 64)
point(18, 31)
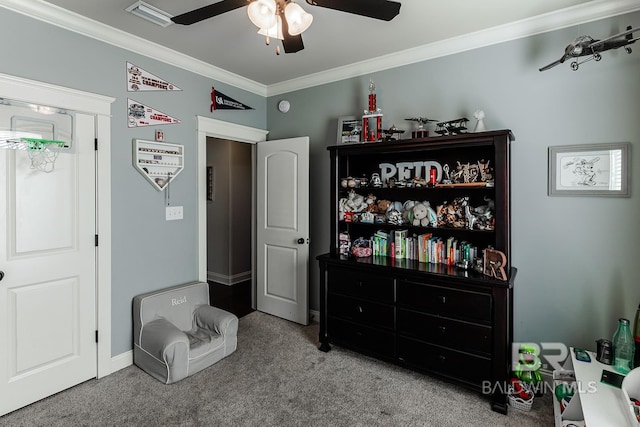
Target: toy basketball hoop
point(42, 152)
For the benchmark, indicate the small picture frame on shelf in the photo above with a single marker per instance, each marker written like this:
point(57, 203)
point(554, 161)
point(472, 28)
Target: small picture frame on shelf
point(349, 129)
point(590, 170)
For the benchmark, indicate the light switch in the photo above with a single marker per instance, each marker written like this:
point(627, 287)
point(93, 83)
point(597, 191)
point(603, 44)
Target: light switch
point(173, 213)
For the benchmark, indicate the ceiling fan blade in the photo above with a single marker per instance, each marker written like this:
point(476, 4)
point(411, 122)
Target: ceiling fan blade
point(385, 10)
point(291, 44)
point(210, 11)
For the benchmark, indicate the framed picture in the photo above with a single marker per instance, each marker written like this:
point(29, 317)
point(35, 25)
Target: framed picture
point(349, 129)
point(210, 183)
point(590, 170)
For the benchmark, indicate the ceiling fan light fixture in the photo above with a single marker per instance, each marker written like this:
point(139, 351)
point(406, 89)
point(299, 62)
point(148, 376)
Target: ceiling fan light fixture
point(150, 13)
point(262, 13)
point(297, 19)
point(275, 31)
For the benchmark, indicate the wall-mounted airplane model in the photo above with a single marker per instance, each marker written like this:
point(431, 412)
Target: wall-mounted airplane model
point(585, 46)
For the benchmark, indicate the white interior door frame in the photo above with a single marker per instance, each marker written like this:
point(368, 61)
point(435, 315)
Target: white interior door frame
point(208, 127)
point(31, 91)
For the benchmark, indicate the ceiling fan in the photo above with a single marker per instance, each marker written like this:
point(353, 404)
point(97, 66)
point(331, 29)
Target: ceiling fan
point(286, 28)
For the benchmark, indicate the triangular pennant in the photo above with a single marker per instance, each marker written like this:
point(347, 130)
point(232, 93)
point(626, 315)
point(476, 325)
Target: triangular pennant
point(142, 115)
point(139, 80)
point(220, 101)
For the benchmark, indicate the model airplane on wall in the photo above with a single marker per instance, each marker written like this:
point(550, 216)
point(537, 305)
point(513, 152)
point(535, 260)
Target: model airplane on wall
point(585, 46)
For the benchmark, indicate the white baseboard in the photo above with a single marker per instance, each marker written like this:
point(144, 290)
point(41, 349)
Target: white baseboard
point(228, 280)
point(121, 361)
point(314, 316)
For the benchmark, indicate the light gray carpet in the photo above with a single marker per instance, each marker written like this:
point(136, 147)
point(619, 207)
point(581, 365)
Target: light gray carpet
point(277, 377)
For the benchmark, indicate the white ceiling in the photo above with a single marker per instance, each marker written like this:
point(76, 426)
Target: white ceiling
point(336, 40)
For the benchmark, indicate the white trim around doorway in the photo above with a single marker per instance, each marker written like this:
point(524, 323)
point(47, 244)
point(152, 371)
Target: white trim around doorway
point(207, 127)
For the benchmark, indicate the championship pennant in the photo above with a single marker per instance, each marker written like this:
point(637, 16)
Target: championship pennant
point(139, 80)
point(142, 115)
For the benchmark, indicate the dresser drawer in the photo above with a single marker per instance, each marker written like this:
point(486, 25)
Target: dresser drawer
point(360, 285)
point(355, 310)
point(465, 336)
point(456, 303)
point(463, 366)
point(361, 337)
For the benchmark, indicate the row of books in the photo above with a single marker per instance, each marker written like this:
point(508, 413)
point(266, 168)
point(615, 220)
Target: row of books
point(422, 248)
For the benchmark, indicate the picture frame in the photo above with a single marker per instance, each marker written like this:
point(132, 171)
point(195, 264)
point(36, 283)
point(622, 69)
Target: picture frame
point(590, 170)
point(349, 129)
point(210, 183)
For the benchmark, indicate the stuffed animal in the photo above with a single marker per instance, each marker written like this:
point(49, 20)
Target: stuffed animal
point(396, 206)
point(431, 215)
point(407, 211)
point(342, 208)
point(394, 213)
point(383, 205)
point(372, 206)
point(355, 202)
point(453, 214)
point(420, 215)
point(394, 217)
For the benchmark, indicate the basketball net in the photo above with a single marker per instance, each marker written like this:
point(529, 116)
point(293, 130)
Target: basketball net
point(42, 152)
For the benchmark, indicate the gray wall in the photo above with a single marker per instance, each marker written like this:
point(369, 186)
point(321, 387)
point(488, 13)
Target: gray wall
point(575, 255)
point(148, 252)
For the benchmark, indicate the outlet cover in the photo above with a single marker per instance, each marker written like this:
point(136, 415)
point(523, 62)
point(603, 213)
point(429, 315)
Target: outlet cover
point(173, 213)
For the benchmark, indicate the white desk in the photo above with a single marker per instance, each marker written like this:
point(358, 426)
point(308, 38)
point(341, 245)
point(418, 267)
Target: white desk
point(601, 405)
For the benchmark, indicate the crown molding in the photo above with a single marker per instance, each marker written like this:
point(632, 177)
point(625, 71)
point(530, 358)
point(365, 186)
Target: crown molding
point(568, 17)
point(74, 22)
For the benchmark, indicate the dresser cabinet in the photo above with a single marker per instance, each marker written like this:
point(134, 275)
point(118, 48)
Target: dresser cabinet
point(436, 318)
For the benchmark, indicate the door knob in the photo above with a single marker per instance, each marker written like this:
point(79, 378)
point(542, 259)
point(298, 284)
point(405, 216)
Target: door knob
point(300, 241)
point(1, 275)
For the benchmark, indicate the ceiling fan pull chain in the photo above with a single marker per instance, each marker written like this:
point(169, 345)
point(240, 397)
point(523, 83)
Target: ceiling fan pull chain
point(278, 23)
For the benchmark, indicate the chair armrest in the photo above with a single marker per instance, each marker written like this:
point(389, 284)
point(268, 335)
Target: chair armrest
point(163, 340)
point(217, 320)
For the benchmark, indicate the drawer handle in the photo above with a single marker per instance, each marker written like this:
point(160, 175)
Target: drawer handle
point(360, 283)
point(443, 329)
point(442, 358)
point(359, 309)
point(443, 299)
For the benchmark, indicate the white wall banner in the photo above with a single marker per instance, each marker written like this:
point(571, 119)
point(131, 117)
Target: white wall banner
point(139, 80)
point(139, 115)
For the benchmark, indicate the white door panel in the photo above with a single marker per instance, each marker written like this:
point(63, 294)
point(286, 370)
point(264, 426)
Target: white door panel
point(47, 252)
point(282, 229)
point(279, 279)
point(34, 229)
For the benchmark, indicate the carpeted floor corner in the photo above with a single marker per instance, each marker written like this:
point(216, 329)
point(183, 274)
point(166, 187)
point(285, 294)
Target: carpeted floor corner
point(277, 377)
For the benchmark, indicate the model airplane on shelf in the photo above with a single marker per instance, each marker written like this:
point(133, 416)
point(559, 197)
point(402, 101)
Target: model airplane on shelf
point(389, 133)
point(421, 120)
point(452, 127)
point(585, 46)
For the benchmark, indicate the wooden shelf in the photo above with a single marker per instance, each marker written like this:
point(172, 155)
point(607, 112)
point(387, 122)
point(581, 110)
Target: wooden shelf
point(436, 318)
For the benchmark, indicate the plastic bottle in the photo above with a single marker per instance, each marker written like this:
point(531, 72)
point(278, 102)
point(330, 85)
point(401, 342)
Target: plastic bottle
point(623, 347)
point(636, 338)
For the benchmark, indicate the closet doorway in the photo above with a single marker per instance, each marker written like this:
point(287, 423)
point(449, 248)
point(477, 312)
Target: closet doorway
point(229, 216)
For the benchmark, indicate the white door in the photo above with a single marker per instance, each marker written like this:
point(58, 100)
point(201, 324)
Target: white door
point(47, 255)
point(282, 228)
